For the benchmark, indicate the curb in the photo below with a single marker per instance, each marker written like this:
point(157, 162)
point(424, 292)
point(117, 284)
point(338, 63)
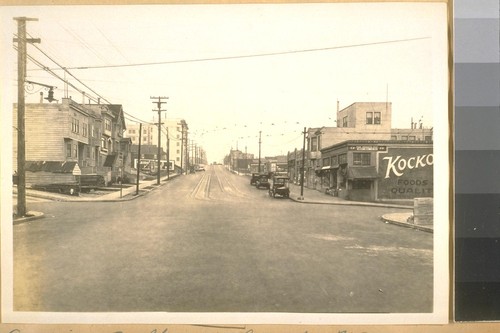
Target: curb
point(385, 219)
point(351, 203)
point(30, 216)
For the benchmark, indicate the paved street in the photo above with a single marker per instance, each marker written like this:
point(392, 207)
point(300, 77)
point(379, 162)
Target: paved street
point(211, 242)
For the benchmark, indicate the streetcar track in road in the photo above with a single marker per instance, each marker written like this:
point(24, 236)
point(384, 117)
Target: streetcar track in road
point(202, 189)
point(231, 187)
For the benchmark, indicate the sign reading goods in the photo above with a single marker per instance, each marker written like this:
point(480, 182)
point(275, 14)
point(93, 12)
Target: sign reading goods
point(407, 173)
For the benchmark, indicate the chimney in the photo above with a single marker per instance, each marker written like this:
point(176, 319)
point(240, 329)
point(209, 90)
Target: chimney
point(41, 97)
point(83, 97)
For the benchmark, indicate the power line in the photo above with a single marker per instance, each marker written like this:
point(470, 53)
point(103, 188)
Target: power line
point(68, 72)
point(42, 66)
point(249, 55)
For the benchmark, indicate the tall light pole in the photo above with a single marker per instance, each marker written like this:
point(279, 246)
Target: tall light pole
point(21, 135)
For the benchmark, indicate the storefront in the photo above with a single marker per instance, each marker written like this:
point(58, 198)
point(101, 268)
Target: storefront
point(378, 170)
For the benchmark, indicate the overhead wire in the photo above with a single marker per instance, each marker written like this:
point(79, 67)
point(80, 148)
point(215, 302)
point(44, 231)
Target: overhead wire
point(68, 72)
point(248, 55)
point(51, 71)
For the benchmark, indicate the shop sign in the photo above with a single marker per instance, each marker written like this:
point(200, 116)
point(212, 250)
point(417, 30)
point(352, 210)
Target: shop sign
point(406, 173)
point(368, 148)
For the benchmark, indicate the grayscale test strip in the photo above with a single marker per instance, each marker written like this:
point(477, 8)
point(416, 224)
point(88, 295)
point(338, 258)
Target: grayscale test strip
point(477, 160)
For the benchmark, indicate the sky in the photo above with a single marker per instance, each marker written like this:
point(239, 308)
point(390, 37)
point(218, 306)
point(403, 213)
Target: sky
point(232, 71)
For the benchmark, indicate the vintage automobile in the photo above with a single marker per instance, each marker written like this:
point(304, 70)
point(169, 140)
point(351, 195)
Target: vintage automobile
point(254, 178)
point(279, 186)
point(262, 181)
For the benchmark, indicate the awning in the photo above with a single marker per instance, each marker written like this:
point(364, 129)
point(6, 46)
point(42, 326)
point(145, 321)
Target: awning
point(110, 160)
point(330, 167)
point(362, 173)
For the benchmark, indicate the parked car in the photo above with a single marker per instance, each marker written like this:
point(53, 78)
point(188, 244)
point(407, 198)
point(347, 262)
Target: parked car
point(263, 181)
point(279, 186)
point(254, 178)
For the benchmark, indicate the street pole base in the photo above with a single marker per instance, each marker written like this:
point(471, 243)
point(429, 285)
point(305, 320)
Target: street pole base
point(300, 198)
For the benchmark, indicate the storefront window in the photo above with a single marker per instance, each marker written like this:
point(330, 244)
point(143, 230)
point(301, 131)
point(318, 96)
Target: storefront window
point(361, 184)
point(342, 158)
point(361, 158)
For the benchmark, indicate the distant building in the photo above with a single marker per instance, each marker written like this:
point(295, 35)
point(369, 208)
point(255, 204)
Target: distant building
point(175, 130)
point(239, 161)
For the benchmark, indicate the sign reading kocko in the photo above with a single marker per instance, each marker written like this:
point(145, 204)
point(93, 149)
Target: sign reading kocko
point(406, 173)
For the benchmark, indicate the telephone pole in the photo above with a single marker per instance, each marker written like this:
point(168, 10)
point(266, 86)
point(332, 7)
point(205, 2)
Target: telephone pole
point(168, 155)
point(158, 105)
point(21, 76)
point(260, 132)
point(138, 159)
point(303, 168)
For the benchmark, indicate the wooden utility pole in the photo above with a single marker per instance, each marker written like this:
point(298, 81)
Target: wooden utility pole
point(168, 155)
point(158, 105)
point(260, 133)
point(138, 159)
point(303, 168)
point(21, 134)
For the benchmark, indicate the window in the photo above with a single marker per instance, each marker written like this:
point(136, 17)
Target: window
point(361, 184)
point(104, 144)
point(68, 150)
point(314, 143)
point(369, 118)
point(75, 125)
point(144, 139)
point(85, 129)
point(344, 121)
point(178, 159)
point(87, 149)
point(428, 138)
point(335, 160)
point(107, 124)
point(394, 137)
point(178, 136)
point(342, 158)
point(361, 159)
point(75, 151)
point(178, 151)
point(404, 137)
point(178, 144)
point(326, 161)
point(411, 138)
point(376, 118)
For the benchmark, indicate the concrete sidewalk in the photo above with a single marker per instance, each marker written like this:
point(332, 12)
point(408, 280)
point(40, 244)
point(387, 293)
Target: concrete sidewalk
point(317, 197)
point(312, 196)
point(128, 192)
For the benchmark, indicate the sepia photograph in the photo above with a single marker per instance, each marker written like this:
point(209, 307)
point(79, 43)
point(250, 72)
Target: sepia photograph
point(225, 163)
